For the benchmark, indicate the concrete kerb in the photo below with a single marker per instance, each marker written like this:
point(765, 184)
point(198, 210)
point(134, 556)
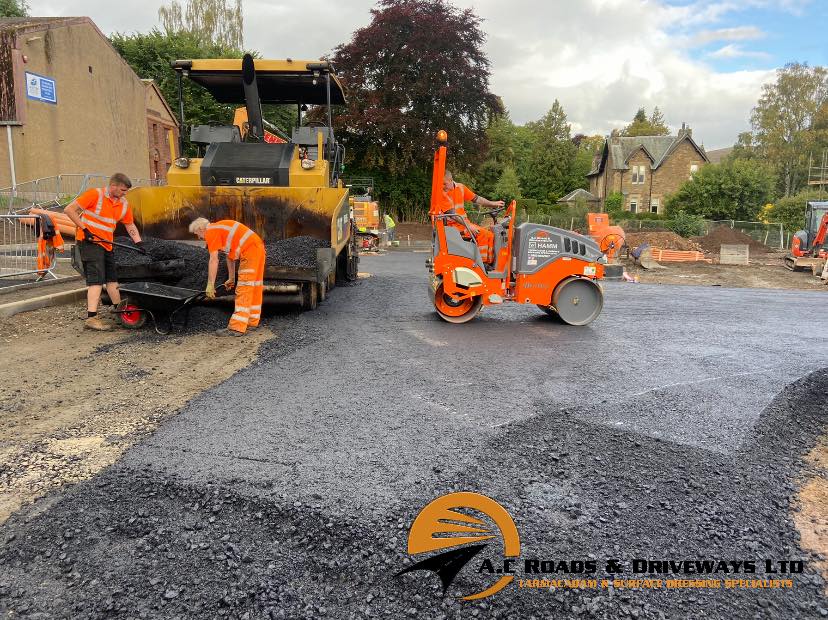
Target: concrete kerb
point(44, 301)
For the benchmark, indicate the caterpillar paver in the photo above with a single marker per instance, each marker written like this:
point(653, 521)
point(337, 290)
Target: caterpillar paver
point(555, 269)
point(280, 190)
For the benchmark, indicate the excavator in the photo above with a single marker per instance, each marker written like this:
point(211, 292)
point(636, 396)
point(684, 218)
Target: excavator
point(555, 269)
point(280, 186)
point(809, 249)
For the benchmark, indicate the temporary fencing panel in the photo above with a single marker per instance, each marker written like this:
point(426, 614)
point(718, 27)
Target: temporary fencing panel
point(18, 248)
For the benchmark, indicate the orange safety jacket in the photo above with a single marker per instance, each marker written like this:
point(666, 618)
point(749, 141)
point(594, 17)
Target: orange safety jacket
point(455, 199)
point(232, 237)
point(101, 215)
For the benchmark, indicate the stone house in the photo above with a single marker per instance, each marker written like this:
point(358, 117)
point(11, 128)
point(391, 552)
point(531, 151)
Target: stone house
point(70, 104)
point(161, 125)
point(645, 169)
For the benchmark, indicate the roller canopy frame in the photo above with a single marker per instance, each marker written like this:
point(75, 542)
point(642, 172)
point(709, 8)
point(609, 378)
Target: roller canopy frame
point(279, 81)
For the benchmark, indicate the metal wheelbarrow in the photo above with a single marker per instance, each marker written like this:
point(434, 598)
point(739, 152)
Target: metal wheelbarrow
point(159, 302)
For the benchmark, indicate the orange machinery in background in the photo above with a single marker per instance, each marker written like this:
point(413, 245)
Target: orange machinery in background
point(609, 238)
point(365, 212)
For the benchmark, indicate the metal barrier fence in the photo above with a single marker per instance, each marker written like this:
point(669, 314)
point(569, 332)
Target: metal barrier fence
point(18, 248)
point(771, 234)
point(54, 192)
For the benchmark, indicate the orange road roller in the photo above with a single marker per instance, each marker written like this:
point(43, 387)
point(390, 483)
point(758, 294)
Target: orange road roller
point(555, 269)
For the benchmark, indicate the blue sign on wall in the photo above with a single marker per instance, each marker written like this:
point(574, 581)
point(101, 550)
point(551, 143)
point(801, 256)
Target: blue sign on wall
point(41, 88)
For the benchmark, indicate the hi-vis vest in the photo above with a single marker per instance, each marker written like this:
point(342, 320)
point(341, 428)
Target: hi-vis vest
point(454, 199)
point(232, 237)
point(101, 215)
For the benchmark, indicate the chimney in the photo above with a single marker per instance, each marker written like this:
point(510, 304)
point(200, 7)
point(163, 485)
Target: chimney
point(685, 131)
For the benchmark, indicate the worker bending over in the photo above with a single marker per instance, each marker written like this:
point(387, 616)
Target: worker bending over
point(96, 213)
point(241, 244)
point(454, 196)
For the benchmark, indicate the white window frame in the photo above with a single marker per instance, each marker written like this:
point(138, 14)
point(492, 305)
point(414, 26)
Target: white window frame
point(633, 203)
point(638, 175)
point(655, 202)
point(694, 168)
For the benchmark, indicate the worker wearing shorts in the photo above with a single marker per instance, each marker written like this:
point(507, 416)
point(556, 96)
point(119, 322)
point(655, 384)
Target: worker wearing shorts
point(97, 213)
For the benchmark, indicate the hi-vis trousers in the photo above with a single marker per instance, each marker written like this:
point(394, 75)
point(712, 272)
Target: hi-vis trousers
point(249, 289)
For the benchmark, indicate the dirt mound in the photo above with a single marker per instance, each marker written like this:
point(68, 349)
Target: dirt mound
point(713, 241)
point(665, 240)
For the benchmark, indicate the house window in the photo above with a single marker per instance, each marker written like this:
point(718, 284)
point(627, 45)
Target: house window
point(633, 204)
point(654, 205)
point(637, 175)
point(694, 168)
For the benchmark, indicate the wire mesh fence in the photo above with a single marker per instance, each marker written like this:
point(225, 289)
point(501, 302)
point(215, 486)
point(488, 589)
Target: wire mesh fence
point(771, 234)
point(54, 192)
point(18, 248)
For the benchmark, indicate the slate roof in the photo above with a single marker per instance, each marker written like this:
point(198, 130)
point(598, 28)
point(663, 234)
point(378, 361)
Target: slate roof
point(657, 148)
point(579, 194)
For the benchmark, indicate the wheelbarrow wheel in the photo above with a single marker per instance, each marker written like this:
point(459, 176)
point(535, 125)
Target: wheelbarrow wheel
point(130, 315)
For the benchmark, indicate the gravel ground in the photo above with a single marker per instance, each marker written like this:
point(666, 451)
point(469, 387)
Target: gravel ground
point(671, 428)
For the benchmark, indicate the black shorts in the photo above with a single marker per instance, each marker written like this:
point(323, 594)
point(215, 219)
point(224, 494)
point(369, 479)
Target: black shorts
point(98, 264)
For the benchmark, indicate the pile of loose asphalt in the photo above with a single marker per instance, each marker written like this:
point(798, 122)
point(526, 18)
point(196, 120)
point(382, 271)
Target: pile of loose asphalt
point(287, 491)
point(292, 252)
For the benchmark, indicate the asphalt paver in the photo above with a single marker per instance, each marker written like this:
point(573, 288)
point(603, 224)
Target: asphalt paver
point(672, 428)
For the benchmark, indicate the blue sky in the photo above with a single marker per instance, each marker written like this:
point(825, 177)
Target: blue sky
point(759, 35)
point(702, 62)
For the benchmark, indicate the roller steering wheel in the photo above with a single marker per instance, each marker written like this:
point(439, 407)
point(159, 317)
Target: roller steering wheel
point(493, 212)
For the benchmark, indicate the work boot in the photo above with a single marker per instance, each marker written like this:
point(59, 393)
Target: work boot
point(97, 324)
point(228, 332)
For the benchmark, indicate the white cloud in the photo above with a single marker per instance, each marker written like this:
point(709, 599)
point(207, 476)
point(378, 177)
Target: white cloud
point(734, 51)
point(741, 33)
point(603, 59)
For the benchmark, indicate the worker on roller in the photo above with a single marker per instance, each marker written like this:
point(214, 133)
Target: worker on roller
point(240, 244)
point(454, 197)
point(96, 213)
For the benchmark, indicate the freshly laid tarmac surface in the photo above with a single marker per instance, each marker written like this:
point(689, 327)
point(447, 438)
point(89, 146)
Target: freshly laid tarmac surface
point(672, 428)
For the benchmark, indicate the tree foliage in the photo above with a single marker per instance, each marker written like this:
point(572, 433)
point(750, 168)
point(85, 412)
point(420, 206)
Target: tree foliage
point(14, 8)
point(789, 121)
point(686, 225)
point(553, 167)
point(735, 190)
point(418, 67)
point(212, 22)
point(643, 126)
point(150, 54)
point(790, 211)
point(508, 186)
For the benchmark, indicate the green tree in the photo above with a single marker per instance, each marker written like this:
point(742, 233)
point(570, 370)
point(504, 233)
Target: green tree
point(508, 186)
point(790, 210)
point(14, 8)
point(686, 225)
point(552, 170)
point(788, 122)
point(212, 22)
point(734, 190)
point(643, 126)
point(614, 203)
point(501, 135)
point(418, 67)
point(149, 55)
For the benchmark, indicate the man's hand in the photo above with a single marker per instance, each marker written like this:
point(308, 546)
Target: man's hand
point(210, 291)
point(140, 246)
point(499, 203)
point(230, 284)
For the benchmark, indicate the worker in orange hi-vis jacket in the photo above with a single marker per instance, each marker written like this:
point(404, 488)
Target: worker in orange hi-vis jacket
point(453, 199)
point(240, 244)
point(49, 241)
